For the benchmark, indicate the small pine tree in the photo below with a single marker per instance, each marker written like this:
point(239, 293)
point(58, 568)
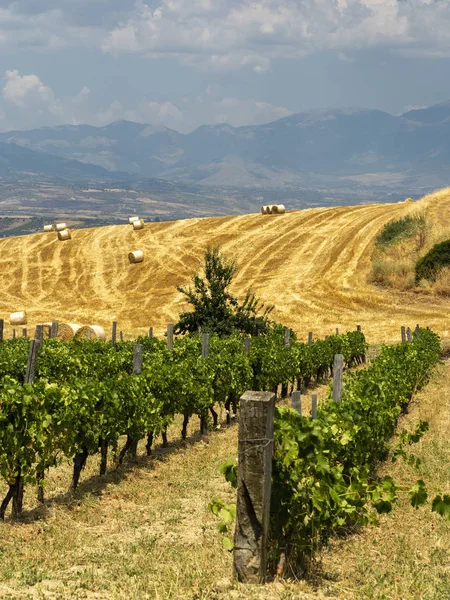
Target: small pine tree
point(215, 309)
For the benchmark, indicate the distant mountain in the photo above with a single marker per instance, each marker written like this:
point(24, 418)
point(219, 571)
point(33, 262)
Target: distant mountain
point(19, 162)
point(321, 148)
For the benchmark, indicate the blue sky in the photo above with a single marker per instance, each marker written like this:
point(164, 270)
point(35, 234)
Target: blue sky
point(183, 63)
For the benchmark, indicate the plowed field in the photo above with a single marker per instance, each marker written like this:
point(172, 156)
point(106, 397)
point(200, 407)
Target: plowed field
point(312, 264)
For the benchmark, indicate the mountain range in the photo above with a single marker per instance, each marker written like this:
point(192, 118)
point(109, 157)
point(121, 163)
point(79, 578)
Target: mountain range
point(321, 148)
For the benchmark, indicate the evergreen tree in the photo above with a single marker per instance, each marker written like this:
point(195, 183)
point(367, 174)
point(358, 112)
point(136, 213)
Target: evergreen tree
point(215, 309)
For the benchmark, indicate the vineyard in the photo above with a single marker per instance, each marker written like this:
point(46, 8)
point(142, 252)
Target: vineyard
point(79, 418)
point(86, 395)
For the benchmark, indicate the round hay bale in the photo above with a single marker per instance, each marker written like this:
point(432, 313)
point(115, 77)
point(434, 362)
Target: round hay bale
point(136, 257)
point(66, 331)
point(132, 219)
point(138, 224)
point(409, 200)
point(18, 318)
point(278, 209)
point(264, 210)
point(97, 333)
point(60, 226)
point(64, 235)
point(49, 228)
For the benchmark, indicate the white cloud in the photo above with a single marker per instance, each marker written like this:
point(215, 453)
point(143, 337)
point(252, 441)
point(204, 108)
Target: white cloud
point(229, 34)
point(20, 89)
point(244, 33)
point(28, 103)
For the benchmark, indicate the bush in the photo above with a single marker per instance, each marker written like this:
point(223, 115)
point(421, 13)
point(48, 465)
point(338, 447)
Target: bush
point(434, 260)
point(406, 227)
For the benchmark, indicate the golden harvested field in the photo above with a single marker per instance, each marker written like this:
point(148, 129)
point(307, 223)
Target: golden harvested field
point(311, 264)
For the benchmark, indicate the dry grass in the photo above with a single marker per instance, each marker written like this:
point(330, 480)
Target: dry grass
point(145, 532)
point(312, 264)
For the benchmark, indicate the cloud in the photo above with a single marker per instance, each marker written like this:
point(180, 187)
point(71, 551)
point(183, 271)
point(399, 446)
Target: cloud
point(229, 34)
point(28, 102)
point(245, 34)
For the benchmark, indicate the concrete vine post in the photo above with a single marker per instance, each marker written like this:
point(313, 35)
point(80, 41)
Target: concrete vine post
point(338, 370)
point(403, 332)
point(256, 423)
point(32, 361)
point(409, 335)
point(170, 336)
point(310, 338)
point(39, 334)
point(114, 333)
point(314, 406)
point(297, 402)
point(54, 329)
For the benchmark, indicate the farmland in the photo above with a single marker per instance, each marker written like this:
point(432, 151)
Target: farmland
point(313, 265)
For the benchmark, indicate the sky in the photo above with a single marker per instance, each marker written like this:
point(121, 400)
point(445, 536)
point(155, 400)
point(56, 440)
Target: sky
point(184, 63)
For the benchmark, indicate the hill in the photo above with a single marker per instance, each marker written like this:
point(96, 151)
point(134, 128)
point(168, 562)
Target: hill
point(19, 163)
point(312, 264)
point(329, 148)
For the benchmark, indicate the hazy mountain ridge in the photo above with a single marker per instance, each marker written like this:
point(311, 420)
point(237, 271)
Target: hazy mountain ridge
point(320, 146)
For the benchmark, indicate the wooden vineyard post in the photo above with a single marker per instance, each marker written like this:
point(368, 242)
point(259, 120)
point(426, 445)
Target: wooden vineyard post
point(297, 402)
point(287, 336)
point(150, 332)
point(310, 338)
point(358, 328)
point(137, 359)
point(54, 329)
point(170, 337)
point(314, 406)
point(121, 336)
point(409, 335)
point(14, 334)
point(205, 345)
point(39, 334)
point(24, 332)
point(2, 327)
point(403, 331)
point(417, 330)
point(247, 344)
point(254, 486)
point(114, 333)
point(338, 369)
point(32, 360)
point(337, 330)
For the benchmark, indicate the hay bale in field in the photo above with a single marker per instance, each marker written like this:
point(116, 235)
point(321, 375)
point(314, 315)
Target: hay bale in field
point(278, 209)
point(49, 228)
point(138, 224)
point(96, 333)
point(64, 235)
point(66, 331)
point(264, 210)
point(60, 226)
point(132, 219)
point(136, 257)
point(18, 318)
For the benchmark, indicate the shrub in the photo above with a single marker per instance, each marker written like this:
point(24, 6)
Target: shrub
point(434, 260)
point(406, 227)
